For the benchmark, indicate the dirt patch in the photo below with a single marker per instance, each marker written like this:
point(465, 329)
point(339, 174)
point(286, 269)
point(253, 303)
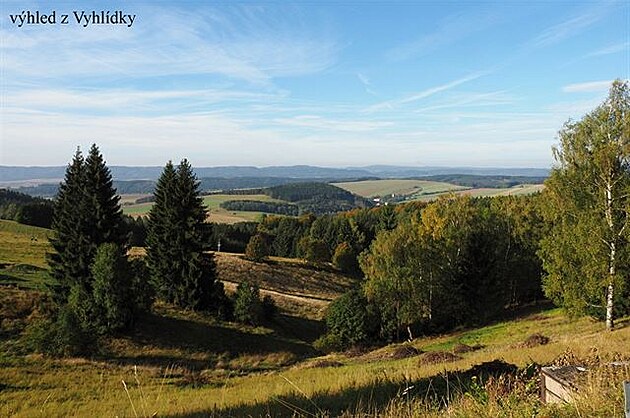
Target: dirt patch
point(534, 340)
point(357, 351)
point(463, 348)
point(494, 367)
point(404, 351)
point(436, 357)
point(320, 364)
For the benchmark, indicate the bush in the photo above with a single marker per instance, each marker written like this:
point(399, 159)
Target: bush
point(349, 320)
point(329, 343)
point(257, 249)
point(345, 259)
point(314, 250)
point(248, 308)
point(141, 286)
point(62, 337)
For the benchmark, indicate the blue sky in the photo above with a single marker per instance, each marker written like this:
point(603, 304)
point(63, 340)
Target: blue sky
point(329, 83)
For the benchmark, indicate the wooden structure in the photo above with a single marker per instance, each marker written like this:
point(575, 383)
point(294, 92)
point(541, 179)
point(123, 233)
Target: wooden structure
point(558, 383)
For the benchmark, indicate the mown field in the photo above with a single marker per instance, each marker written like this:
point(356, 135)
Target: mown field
point(429, 190)
point(215, 212)
point(404, 187)
point(184, 364)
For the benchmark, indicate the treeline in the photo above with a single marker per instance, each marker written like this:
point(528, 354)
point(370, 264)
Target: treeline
point(25, 209)
point(456, 261)
point(259, 206)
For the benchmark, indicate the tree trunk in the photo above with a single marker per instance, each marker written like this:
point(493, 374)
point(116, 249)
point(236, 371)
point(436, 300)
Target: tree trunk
point(611, 259)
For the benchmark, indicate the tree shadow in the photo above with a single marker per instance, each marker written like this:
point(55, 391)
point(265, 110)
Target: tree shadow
point(435, 391)
point(204, 338)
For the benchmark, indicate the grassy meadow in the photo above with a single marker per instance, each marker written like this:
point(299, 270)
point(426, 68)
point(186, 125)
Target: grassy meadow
point(215, 212)
point(179, 363)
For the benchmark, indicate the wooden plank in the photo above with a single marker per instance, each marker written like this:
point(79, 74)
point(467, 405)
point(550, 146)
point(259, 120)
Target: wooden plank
point(626, 393)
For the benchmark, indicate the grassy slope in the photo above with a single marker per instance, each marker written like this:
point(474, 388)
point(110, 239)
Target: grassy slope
point(258, 379)
point(182, 364)
point(23, 251)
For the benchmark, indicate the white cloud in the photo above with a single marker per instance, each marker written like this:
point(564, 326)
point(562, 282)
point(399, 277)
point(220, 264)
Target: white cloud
point(588, 87)
point(335, 125)
point(391, 104)
point(450, 30)
point(611, 49)
point(568, 28)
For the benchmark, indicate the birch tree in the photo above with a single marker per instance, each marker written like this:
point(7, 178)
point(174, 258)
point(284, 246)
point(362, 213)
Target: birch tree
point(588, 201)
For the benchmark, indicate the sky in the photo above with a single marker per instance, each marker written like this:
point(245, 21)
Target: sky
point(328, 83)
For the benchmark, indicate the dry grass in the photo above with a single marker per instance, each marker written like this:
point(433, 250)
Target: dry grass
point(356, 386)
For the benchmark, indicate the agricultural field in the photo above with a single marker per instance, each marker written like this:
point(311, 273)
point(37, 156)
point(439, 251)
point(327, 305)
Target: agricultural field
point(404, 187)
point(215, 212)
point(429, 190)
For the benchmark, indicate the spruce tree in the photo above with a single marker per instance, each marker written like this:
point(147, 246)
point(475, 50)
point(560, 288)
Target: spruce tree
point(161, 230)
point(103, 203)
point(70, 262)
point(177, 238)
point(113, 305)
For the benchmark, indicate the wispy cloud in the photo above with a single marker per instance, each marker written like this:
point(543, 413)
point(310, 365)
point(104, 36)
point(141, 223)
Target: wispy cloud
point(588, 87)
point(366, 83)
point(240, 45)
point(450, 30)
point(343, 125)
point(392, 104)
point(611, 49)
point(571, 27)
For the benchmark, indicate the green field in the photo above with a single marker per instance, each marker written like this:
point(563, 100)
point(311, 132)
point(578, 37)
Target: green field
point(379, 188)
point(215, 212)
point(429, 190)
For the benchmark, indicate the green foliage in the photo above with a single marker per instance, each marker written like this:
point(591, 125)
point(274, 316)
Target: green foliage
point(62, 337)
point(348, 319)
point(257, 249)
point(142, 291)
point(314, 250)
point(177, 239)
point(587, 205)
point(329, 343)
point(345, 259)
point(317, 198)
point(258, 206)
point(87, 214)
point(112, 290)
point(248, 308)
point(25, 209)
point(462, 261)
point(233, 237)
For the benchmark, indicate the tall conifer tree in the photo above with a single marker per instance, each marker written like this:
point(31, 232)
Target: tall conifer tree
point(70, 263)
point(177, 238)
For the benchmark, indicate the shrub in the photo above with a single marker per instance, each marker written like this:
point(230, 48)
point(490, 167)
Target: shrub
point(248, 308)
point(345, 259)
point(329, 343)
point(313, 249)
point(257, 249)
point(62, 337)
point(349, 321)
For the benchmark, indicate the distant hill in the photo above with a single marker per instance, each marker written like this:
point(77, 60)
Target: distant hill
point(16, 174)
